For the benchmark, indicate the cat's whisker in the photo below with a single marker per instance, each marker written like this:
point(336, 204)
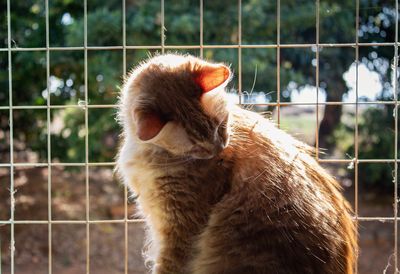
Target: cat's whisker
point(254, 80)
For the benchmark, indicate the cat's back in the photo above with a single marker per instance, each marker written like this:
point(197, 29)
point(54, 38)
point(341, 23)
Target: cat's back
point(283, 214)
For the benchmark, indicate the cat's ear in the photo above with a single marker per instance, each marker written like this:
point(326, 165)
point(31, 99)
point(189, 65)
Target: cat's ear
point(210, 76)
point(148, 125)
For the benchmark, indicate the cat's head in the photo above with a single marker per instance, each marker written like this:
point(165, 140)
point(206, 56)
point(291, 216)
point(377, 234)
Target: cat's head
point(178, 104)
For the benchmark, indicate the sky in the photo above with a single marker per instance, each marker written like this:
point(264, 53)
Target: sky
point(369, 86)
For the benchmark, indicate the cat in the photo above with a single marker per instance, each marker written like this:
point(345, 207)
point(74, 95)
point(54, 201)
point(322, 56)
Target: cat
point(222, 189)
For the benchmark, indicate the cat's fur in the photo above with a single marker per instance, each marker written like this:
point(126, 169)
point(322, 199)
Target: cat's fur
point(221, 188)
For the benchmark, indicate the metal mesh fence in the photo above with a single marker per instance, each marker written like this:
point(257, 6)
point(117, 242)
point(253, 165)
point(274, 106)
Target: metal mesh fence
point(86, 164)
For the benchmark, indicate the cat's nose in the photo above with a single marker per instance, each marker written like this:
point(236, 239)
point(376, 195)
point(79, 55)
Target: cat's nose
point(221, 143)
point(219, 146)
point(225, 143)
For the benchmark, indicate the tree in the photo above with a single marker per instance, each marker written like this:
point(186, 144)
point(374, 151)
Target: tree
point(182, 22)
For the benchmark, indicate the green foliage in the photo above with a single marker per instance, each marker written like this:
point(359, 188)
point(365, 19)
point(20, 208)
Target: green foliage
point(375, 141)
point(182, 27)
point(374, 127)
point(68, 145)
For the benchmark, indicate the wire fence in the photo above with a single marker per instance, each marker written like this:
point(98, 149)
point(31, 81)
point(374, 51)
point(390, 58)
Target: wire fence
point(201, 46)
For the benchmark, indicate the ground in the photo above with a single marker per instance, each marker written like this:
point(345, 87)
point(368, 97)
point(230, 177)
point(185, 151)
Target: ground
point(107, 240)
point(68, 240)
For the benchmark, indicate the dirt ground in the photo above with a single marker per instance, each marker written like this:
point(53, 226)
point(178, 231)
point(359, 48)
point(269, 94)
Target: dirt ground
point(107, 245)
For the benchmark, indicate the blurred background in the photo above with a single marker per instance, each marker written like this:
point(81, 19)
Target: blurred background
point(267, 73)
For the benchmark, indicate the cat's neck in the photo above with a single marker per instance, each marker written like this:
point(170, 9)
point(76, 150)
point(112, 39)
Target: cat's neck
point(159, 157)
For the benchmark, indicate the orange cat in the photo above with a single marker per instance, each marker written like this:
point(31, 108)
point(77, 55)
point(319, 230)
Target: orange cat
point(221, 188)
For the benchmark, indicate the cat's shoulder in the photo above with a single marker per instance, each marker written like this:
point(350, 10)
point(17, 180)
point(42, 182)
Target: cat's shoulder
point(254, 130)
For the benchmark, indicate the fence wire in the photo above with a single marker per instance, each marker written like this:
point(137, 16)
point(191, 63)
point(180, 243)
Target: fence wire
point(201, 46)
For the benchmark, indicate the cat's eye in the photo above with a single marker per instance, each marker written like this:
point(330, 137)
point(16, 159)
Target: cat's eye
point(221, 129)
point(223, 125)
point(224, 122)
